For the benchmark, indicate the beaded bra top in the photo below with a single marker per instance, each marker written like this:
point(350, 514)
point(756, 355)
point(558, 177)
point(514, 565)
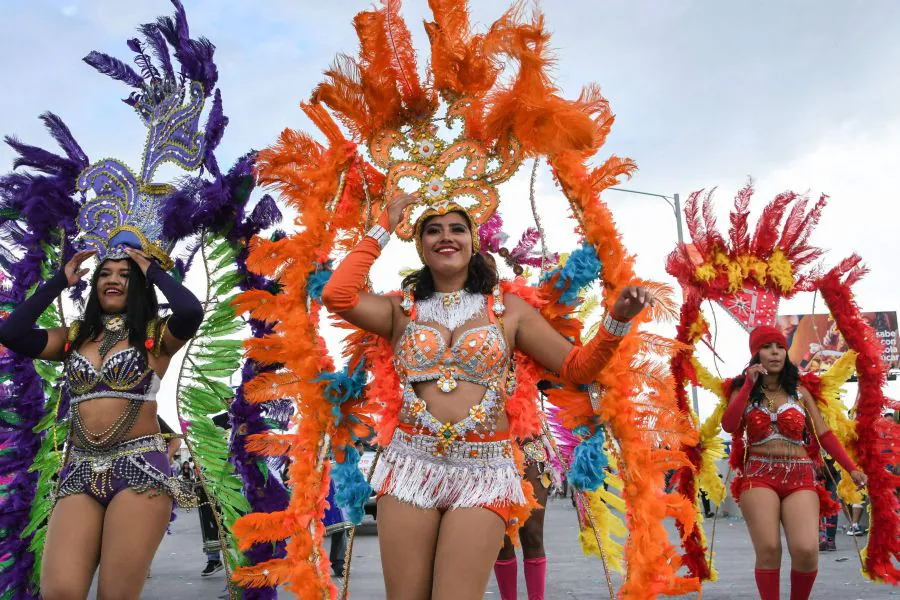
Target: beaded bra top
point(125, 374)
point(478, 356)
point(787, 423)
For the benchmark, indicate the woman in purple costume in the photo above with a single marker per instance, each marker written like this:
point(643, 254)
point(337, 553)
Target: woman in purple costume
point(115, 490)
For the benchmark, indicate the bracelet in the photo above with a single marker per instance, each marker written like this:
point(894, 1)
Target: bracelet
point(595, 393)
point(616, 328)
point(380, 235)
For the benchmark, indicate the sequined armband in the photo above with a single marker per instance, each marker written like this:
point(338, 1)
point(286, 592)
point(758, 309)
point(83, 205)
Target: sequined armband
point(380, 235)
point(156, 328)
point(616, 328)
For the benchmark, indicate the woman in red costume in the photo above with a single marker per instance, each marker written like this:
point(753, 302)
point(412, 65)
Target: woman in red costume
point(778, 479)
point(450, 471)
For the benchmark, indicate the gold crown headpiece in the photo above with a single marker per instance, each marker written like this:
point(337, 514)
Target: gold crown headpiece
point(425, 160)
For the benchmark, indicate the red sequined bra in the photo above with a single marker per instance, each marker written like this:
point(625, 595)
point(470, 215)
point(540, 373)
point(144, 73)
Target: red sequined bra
point(787, 423)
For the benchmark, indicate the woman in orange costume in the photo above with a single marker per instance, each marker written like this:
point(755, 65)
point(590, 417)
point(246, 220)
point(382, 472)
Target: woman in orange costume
point(778, 479)
point(450, 469)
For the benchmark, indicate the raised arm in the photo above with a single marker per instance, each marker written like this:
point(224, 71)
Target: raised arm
point(577, 364)
point(187, 312)
point(737, 404)
point(18, 333)
point(344, 293)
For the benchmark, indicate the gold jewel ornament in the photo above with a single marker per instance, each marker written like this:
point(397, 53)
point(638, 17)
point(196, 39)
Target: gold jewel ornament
point(421, 159)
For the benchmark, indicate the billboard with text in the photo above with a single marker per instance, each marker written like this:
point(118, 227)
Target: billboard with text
point(814, 343)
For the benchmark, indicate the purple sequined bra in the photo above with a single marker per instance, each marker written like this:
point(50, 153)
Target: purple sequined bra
point(125, 374)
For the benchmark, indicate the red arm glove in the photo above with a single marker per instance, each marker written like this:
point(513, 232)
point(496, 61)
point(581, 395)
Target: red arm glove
point(832, 446)
point(731, 420)
point(584, 362)
point(341, 293)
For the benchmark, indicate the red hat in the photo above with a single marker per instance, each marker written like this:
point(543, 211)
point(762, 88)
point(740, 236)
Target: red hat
point(766, 334)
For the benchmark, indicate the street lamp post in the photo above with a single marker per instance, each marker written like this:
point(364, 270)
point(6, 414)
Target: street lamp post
point(675, 204)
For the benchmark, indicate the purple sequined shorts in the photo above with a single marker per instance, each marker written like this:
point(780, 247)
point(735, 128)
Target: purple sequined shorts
point(140, 464)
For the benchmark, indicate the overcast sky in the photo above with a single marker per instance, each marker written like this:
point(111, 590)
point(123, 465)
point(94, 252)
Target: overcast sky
point(799, 95)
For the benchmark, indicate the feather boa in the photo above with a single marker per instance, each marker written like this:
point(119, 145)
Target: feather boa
point(883, 550)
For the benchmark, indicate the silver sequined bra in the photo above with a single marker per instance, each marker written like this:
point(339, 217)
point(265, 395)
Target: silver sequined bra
point(125, 374)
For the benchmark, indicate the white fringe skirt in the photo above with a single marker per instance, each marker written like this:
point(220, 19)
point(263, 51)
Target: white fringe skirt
point(416, 469)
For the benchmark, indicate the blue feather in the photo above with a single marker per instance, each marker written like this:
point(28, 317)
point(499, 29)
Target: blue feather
point(316, 282)
point(587, 471)
point(351, 488)
point(582, 269)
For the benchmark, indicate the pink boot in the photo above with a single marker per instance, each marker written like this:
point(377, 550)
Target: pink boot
point(535, 577)
point(506, 572)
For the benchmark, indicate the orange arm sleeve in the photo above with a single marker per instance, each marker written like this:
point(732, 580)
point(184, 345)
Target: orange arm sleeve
point(584, 362)
point(341, 293)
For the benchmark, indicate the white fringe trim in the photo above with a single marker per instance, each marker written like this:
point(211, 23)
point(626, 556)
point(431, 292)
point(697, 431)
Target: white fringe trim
point(450, 316)
point(438, 482)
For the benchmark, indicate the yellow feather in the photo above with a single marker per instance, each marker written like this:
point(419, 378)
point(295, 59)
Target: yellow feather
point(834, 412)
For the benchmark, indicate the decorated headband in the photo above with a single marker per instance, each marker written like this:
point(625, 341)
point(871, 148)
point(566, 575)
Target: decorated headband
point(125, 210)
point(440, 210)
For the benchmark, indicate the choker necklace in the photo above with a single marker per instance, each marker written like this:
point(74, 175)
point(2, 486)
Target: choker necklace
point(450, 309)
point(114, 331)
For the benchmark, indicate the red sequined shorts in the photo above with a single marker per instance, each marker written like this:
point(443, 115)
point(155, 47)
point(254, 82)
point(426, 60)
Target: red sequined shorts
point(783, 475)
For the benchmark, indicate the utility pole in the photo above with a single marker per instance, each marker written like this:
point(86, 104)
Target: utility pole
point(675, 204)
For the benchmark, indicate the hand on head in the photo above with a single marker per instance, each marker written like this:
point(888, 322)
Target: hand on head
point(397, 205)
point(139, 258)
point(73, 269)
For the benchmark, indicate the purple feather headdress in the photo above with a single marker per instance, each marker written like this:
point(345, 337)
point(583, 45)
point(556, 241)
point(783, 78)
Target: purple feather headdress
point(126, 206)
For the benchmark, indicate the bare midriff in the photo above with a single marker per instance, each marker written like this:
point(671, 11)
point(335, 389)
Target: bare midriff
point(100, 413)
point(451, 407)
point(454, 406)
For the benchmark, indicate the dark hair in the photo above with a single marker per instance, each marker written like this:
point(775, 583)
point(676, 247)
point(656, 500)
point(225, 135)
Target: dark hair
point(788, 379)
point(481, 279)
point(141, 307)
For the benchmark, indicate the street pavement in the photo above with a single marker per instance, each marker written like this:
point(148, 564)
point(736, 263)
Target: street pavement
point(570, 575)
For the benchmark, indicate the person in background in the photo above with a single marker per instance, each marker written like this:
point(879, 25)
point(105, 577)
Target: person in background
point(831, 478)
point(209, 525)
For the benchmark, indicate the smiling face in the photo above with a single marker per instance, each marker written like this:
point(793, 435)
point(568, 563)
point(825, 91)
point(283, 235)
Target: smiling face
point(111, 285)
point(772, 357)
point(447, 243)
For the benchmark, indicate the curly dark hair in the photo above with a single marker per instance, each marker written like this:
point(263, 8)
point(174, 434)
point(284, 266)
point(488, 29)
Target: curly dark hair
point(788, 379)
point(142, 306)
point(481, 279)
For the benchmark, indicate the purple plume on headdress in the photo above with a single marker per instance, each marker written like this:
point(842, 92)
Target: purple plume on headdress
point(115, 68)
point(492, 239)
point(215, 129)
point(195, 56)
point(157, 43)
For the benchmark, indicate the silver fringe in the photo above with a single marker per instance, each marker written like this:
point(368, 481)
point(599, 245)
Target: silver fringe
point(409, 471)
point(451, 314)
